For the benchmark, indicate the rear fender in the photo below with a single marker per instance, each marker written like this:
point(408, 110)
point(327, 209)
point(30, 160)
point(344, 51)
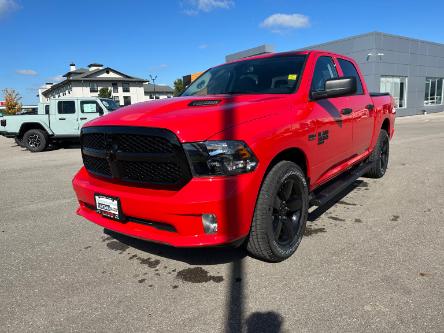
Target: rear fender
point(35, 125)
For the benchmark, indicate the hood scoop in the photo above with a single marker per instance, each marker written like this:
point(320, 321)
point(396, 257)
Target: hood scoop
point(205, 102)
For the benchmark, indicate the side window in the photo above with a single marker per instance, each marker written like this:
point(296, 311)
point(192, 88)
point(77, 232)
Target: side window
point(47, 109)
point(66, 107)
point(90, 107)
point(349, 70)
point(324, 70)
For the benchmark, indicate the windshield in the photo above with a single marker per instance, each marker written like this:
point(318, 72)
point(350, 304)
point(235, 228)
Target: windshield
point(277, 75)
point(110, 104)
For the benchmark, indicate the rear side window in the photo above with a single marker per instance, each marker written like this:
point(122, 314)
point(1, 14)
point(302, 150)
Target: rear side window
point(324, 70)
point(349, 70)
point(66, 107)
point(46, 109)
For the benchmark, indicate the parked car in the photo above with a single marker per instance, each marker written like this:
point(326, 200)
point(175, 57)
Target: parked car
point(240, 157)
point(27, 111)
point(57, 121)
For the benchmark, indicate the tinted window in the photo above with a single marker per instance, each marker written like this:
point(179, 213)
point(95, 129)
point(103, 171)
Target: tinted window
point(349, 70)
point(89, 107)
point(125, 87)
point(276, 75)
point(324, 70)
point(126, 100)
point(66, 107)
point(93, 87)
point(46, 109)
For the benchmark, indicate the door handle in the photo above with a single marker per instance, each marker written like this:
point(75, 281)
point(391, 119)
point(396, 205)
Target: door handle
point(62, 118)
point(83, 118)
point(346, 111)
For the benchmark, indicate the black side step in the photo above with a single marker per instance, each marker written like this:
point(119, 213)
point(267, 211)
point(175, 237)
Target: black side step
point(326, 192)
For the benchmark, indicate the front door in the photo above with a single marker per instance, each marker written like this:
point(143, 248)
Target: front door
point(65, 122)
point(334, 126)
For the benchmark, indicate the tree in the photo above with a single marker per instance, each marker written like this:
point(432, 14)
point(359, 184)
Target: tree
point(178, 87)
point(105, 93)
point(12, 101)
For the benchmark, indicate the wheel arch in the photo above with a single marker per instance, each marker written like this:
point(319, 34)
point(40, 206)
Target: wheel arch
point(293, 154)
point(28, 126)
point(386, 125)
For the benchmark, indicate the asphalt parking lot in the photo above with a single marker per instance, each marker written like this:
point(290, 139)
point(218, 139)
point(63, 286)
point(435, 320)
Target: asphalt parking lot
point(373, 261)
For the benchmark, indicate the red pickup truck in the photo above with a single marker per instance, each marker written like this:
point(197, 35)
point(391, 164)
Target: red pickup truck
point(239, 157)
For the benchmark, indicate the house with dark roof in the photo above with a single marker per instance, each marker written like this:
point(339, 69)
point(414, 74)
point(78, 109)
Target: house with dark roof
point(157, 91)
point(86, 82)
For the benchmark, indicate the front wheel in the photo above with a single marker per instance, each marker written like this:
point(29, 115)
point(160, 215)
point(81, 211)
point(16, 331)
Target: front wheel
point(280, 214)
point(35, 140)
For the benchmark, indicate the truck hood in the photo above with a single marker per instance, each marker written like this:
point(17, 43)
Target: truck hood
point(195, 118)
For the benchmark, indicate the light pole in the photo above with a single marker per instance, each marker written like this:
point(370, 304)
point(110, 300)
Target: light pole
point(154, 84)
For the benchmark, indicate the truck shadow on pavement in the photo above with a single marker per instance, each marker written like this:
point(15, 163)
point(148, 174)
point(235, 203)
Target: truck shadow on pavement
point(319, 211)
point(191, 256)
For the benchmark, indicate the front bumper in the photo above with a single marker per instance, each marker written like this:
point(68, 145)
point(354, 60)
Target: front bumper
point(231, 199)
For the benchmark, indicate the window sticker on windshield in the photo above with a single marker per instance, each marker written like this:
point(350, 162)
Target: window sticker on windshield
point(292, 76)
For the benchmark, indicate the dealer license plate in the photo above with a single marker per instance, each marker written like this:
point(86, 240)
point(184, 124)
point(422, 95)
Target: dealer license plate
point(108, 206)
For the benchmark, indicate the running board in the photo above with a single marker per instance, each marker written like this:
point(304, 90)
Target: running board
point(326, 192)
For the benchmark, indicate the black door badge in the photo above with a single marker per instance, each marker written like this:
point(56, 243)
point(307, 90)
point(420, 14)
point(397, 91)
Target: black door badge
point(322, 136)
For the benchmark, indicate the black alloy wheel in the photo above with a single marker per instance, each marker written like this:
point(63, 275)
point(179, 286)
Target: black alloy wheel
point(35, 140)
point(280, 214)
point(287, 213)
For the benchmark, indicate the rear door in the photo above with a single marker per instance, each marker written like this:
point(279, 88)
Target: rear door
point(89, 109)
point(333, 139)
point(65, 119)
point(362, 110)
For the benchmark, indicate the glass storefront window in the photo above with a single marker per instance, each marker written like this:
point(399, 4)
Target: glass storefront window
point(433, 91)
point(397, 87)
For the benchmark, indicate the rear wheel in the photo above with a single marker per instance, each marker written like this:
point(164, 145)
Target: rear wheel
point(19, 141)
point(35, 140)
point(380, 156)
point(280, 214)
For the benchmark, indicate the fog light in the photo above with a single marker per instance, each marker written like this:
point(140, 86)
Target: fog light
point(209, 222)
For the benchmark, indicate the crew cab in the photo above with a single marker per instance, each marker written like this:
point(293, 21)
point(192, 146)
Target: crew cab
point(239, 157)
point(56, 121)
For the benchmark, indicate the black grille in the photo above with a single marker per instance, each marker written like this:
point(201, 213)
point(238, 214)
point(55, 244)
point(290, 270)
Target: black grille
point(94, 140)
point(151, 172)
point(149, 156)
point(142, 144)
point(97, 165)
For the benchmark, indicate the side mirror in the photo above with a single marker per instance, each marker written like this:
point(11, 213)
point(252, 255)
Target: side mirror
point(100, 110)
point(337, 87)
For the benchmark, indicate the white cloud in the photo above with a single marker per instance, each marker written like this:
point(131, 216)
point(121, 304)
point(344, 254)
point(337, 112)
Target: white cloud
point(7, 6)
point(277, 22)
point(26, 72)
point(203, 46)
point(206, 6)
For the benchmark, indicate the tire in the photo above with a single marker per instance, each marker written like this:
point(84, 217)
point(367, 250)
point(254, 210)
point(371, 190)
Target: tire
point(280, 214)
point(35, 140)
point(379, 156)
point(19, 142)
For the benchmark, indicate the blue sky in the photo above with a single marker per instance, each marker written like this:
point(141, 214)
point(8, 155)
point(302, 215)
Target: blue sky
point(171, 38)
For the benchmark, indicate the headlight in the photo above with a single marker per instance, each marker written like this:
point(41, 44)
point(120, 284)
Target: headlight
point(220, 158)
